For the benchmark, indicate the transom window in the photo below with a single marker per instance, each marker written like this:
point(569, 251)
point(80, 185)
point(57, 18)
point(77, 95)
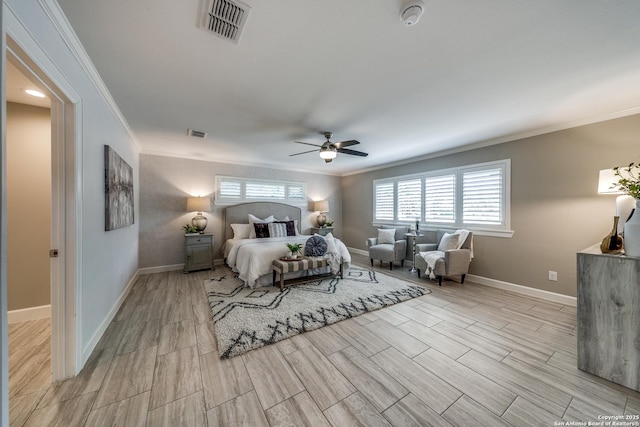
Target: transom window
point(474, 197)
point(232, 190)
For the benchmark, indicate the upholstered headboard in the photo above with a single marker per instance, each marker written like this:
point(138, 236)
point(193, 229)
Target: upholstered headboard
point(239, 214)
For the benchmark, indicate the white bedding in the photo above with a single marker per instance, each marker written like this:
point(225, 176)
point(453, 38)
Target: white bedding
point(252, 258)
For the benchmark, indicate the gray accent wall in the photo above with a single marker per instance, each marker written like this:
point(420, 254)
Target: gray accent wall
point(555, 208)
point(166, 182)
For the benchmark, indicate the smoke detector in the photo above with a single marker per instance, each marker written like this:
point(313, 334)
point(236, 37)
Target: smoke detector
point(411, 12)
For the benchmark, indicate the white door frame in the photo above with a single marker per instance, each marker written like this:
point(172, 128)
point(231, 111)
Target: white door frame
point(65, 214)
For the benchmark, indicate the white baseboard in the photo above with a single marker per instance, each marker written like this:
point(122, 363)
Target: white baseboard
point(524, 290)
point(519, 289)
point(358, 251)
point(86, 351)
point(172, 267)
point(160, 269)
point(31, 313)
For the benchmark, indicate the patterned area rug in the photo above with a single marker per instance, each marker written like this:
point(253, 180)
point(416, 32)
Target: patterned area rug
point(246, 319)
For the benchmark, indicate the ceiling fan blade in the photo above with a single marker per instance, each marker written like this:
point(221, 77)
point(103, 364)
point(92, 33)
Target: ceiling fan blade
point(307, 143)
point(304, 152)
point(352, 152)
point(346, 143)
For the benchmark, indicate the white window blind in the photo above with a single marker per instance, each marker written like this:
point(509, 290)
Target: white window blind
point(409, 199)
point(384, 201)
point(296, 192)
point(264, 191)
point(232, 190)
point(482, 196)
point(474, 197)
point(440, 198)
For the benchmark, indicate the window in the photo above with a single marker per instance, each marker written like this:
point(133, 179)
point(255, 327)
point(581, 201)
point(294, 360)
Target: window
point(409, 199)
point(231, 190)
point(474, 197)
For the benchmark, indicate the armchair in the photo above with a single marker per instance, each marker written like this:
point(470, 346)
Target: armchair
point(443, 261)
point(388, 247)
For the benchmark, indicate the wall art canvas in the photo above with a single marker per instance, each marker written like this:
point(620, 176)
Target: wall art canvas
point(118, 195)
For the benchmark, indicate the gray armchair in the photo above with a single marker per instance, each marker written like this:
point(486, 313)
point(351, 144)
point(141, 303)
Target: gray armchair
point(454, 262)
point(388, 252)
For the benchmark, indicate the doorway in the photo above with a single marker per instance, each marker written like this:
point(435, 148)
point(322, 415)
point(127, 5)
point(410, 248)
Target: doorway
point(64, 355)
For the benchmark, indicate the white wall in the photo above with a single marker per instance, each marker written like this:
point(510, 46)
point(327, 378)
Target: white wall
point(106, 261)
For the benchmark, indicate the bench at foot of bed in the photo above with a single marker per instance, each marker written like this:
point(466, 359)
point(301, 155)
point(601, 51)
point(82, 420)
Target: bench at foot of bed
point(308, 263)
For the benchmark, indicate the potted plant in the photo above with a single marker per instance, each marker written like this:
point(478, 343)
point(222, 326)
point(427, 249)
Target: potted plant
point(629, 183)
point(189, 230)
point(294, 249)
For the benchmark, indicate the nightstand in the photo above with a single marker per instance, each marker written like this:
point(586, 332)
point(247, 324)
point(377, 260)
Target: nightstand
point(198, 252)
point(323, 231)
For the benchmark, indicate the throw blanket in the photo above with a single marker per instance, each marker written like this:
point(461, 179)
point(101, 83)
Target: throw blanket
point(431, 257)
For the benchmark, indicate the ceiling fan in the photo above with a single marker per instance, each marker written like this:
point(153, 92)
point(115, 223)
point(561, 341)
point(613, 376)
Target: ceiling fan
point(329, 150)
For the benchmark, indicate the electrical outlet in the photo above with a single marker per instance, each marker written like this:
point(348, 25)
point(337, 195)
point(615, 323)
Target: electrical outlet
point(553, 276)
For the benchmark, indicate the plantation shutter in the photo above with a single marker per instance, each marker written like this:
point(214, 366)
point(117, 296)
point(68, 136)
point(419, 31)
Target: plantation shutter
point(482, 196)
point(440, 198)
point(384, 201)
point(257, 190)
point(296, 192)
point(230, 189)
point(409, 199)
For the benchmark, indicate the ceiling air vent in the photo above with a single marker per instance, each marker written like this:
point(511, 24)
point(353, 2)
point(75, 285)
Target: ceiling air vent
point(196, 133)
point(225, 18)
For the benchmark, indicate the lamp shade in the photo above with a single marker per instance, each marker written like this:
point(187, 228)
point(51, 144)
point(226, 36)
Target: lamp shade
point(199, 204)
point(321, 206)
point(607, 183)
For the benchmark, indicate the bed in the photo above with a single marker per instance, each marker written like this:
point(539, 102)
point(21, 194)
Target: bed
point(251, 256)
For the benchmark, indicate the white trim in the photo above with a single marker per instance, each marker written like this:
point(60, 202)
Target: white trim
point(88, 349)
point(358, 251)
point(160, 269)
point(518, 289)
point(64, 28)
point(30, 313)
point(505, 234)
point(500, 140)
point(170, 267)
point(524, 290)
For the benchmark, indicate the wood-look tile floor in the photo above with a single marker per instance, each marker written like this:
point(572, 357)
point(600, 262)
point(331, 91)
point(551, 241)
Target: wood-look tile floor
point(464, 355)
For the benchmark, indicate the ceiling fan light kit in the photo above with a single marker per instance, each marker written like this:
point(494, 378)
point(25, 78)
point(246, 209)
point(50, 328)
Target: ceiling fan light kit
point(328, 153)
point(329, 150)
point(411, 12)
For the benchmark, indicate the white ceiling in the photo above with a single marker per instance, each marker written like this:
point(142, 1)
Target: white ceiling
point(470, 72)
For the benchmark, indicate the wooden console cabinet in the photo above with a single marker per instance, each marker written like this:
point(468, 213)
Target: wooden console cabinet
point(609, 316)
point(198, 252)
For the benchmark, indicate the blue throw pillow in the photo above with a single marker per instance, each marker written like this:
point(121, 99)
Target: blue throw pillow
point(315, 246)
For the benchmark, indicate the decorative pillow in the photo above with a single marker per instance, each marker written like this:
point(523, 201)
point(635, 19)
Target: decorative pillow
point(254, 219)
point(241, 231)
point(332, 248)
point(282, 229)
point(261, 229)
point(386, 235)
point(448, 242)
point(315, 246)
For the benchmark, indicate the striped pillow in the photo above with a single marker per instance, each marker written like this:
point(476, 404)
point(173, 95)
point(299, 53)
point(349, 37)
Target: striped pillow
point(282, 229)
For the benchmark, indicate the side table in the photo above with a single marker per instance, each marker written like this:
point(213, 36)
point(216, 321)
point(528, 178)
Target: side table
point(198, 252)
point(323, 231)
point(415, 236)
